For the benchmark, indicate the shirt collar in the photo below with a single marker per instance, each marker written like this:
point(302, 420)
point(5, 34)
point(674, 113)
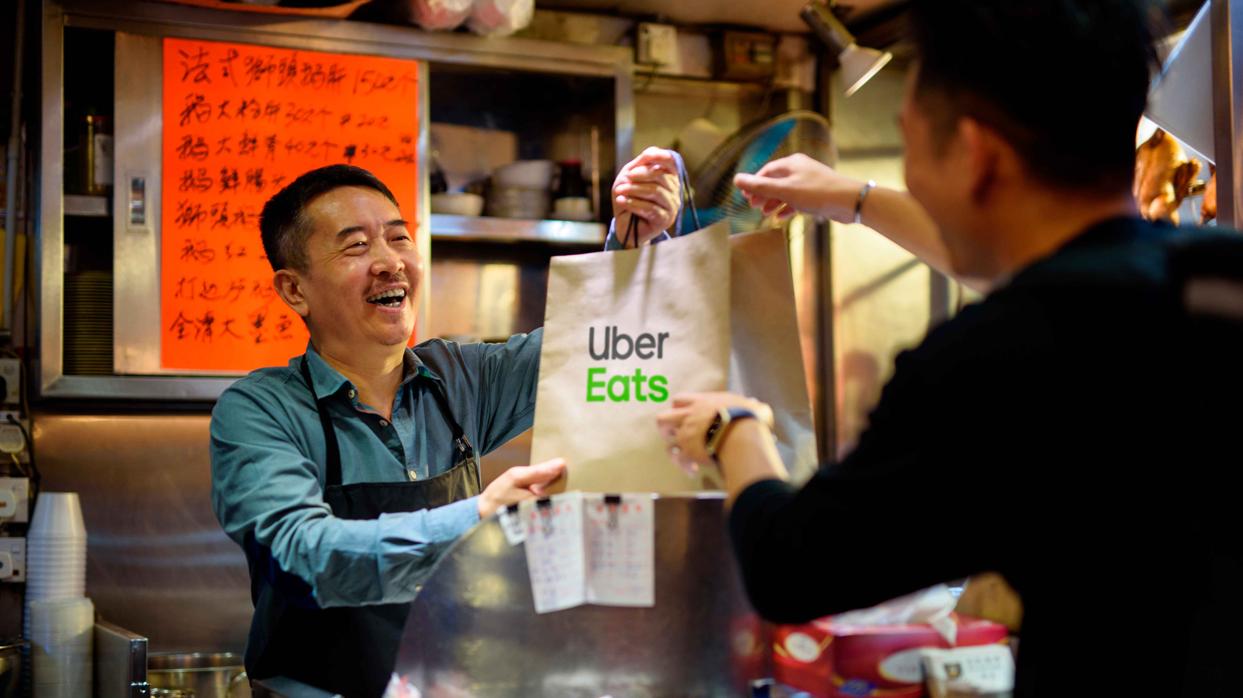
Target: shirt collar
point(326, 380)
point(1104, 233)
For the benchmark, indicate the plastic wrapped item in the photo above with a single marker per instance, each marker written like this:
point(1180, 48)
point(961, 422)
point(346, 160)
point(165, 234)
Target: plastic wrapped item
point(877, 651)
point(500, 17)
point(931, 606)
point(441, 15)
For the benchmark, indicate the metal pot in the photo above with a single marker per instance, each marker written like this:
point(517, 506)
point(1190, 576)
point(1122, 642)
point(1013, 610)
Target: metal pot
point(197, 675)
point(11, 669)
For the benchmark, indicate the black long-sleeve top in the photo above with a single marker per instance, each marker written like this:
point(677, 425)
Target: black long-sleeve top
point(1062, 432)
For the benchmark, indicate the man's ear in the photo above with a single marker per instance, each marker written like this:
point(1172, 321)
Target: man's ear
point(984, 157)
point(288, 285)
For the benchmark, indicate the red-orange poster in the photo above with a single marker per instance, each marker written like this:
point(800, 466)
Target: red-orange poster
point(241, 122)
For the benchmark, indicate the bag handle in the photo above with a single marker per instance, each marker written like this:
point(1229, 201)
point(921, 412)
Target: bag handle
point(688, 201)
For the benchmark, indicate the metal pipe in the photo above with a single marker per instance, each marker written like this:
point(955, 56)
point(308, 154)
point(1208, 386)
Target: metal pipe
point(1227, 24)
point(10, 213)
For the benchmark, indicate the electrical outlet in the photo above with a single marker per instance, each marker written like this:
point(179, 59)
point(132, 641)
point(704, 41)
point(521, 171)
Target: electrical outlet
point(657, 44)
point(14, 500)
point(12, 439)
point(11, 373)
point(12, 559)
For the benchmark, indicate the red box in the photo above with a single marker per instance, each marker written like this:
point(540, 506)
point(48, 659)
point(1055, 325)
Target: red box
point(829, 660)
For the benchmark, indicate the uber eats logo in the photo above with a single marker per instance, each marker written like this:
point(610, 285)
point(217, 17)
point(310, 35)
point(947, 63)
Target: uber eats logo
point(620, 385)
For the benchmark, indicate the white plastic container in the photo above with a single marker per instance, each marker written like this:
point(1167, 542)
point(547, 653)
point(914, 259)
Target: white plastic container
point(61, 637)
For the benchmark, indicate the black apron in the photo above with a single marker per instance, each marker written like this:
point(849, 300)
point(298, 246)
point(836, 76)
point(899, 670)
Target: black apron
point(350, 651)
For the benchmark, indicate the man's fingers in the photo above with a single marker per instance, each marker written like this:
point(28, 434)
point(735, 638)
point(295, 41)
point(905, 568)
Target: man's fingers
point(652, 193)
point(652, 155)
point(649, 212)
point(526, 476)
point(653, 175)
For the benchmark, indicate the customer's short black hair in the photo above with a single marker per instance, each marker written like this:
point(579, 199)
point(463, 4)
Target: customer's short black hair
point(282, 224)
point(1063, 81)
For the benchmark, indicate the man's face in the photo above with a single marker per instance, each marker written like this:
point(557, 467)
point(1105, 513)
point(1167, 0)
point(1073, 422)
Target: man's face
point(361, 285)
point(939, 177)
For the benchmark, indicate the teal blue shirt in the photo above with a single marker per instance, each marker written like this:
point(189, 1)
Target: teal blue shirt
point(268, 455)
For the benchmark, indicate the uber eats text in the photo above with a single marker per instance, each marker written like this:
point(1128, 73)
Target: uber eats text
point(622, 385)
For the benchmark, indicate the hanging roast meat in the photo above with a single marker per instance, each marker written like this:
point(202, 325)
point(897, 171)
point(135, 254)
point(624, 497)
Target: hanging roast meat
point(1163, 177)
point(1208, 207)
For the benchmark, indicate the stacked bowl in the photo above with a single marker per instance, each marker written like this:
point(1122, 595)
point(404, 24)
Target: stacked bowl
point(521, 189)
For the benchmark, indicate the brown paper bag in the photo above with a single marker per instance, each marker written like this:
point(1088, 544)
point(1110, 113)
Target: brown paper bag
point(735, 299)
point(766, 361)
point(623, 332)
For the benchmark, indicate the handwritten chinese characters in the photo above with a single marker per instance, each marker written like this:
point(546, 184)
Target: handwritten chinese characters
point(240, 123)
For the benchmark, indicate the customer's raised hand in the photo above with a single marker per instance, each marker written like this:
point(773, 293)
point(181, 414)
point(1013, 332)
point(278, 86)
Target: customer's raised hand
point(797, 183)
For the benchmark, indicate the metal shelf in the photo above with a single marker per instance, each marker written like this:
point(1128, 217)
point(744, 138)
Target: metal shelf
point(447, 227)
point(89, 206)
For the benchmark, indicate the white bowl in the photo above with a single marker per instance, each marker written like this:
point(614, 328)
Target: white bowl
point(525, 174)
point(457, 204)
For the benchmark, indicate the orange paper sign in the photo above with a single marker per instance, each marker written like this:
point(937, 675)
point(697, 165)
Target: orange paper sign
point(241, 122)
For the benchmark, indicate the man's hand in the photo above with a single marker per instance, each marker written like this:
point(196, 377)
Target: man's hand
point(685, 427)
point(799, 183)
point(647, 187)
point(519, 483)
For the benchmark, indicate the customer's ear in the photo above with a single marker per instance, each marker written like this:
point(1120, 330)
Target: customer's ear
point(983, 158)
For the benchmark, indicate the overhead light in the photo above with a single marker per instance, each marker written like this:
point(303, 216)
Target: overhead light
point(857, 64)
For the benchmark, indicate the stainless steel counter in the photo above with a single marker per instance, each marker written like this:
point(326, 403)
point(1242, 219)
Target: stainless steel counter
point(473, 629)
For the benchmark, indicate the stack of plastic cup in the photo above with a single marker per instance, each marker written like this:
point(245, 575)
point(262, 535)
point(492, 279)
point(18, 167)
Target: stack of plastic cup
point(56, 549)
point(59, 621)
point(61, 635)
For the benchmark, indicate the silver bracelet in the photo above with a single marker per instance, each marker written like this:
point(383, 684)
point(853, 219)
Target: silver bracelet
point(863, 194)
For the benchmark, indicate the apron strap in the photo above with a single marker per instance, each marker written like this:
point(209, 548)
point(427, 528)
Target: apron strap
point(333, 476)
point(459, 436)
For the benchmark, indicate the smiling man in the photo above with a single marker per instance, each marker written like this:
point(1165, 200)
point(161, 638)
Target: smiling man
point(346, 473)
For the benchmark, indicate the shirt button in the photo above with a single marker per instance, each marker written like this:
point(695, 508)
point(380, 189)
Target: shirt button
point(353, 392)
point(413, 475)
point(383, 422)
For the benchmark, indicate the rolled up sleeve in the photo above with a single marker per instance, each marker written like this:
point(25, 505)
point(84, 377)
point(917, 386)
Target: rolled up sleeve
point(265, 487)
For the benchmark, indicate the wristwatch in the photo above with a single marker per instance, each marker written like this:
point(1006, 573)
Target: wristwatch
point(720, 424)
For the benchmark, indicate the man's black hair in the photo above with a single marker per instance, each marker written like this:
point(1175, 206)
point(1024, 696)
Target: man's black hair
point(282, 223)
point(1063, 81)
